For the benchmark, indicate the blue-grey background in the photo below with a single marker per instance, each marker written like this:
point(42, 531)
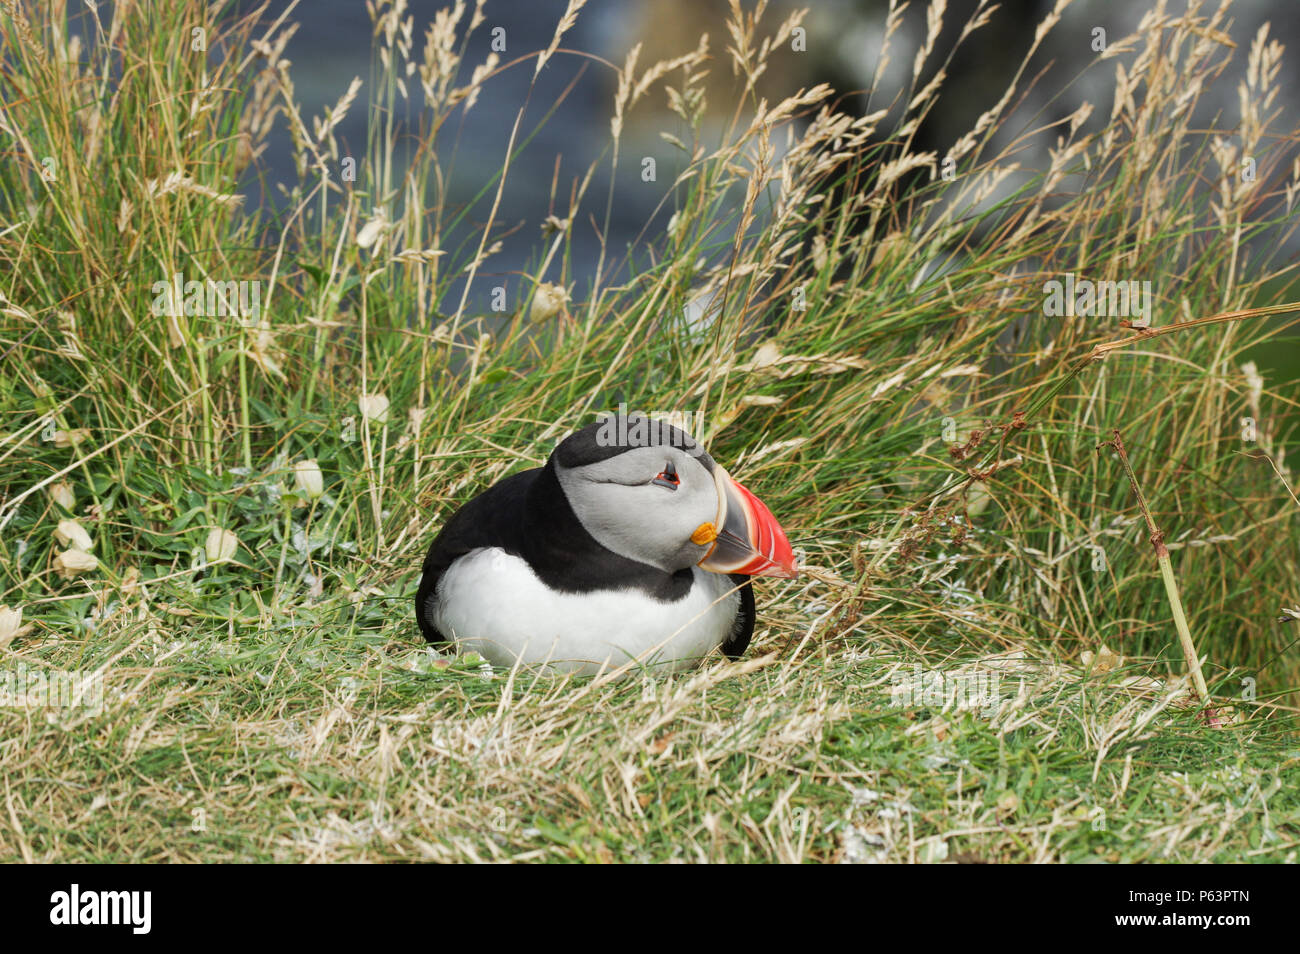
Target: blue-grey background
point(334, 43)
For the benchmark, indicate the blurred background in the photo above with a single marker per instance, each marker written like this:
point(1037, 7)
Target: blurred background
point(844, 41)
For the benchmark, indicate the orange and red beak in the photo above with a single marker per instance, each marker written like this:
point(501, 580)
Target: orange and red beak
point(747, 539)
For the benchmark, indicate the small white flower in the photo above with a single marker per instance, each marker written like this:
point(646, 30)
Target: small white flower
point(73, 563)
point(547, 302)
point(308, 480)
point(70, 533)
point(372, 230)
point(221, 545)
point(374, 407)
point(11, 621)
point(71, 438)
point(61, 493)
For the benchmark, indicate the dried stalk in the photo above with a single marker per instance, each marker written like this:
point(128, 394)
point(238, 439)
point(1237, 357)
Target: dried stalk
point(1166, 571)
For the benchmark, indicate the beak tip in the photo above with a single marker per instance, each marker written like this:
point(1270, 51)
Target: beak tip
point(751, 541)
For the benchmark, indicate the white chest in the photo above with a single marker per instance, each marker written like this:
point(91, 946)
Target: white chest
point(492, 603)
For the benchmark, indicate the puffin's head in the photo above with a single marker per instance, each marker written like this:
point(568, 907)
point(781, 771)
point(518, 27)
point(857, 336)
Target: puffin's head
point(649, 492)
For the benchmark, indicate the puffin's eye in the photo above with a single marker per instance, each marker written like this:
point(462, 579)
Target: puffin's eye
point(667, 477)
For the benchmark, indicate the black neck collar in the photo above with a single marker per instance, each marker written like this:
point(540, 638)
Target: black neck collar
point(564, 554)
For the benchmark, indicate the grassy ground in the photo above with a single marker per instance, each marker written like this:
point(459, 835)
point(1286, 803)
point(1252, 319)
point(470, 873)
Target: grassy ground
point(981, 662)
point(333, 741)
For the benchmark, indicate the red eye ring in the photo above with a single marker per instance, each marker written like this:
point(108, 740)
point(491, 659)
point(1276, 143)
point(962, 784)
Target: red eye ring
point(667, 477)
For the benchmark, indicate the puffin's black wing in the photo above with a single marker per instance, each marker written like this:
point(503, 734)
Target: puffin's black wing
point(743, 627)
point(492, 519)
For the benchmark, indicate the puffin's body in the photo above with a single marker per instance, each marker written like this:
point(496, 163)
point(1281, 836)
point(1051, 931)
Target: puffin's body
point(631, 544)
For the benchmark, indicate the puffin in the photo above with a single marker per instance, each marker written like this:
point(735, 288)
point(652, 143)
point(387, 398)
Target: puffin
point(632, 545)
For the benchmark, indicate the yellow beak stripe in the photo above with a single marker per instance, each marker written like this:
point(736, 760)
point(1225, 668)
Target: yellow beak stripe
point(704, 533)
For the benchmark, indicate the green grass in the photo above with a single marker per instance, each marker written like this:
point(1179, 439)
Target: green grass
point(927, 434)
point(327, 741)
